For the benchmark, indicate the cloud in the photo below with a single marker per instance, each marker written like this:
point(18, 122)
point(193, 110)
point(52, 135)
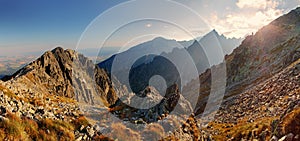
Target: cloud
point(251, 3)
point(257, 4)
point(238, 18)
point(251, 15)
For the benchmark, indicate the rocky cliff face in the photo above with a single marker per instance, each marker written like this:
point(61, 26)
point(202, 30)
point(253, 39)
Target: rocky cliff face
point(265, 53)
point(65, 73)
point(261, 109)
point(260, 56)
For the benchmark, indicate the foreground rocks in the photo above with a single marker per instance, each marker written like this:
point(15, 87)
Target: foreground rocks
point(60, 114)
point(263, 109)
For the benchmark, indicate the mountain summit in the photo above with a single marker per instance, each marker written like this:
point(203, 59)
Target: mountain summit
point(60, 72)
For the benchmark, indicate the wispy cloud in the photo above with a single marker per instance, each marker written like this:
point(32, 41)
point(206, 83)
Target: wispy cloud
point(251, 16)
point(258, 4)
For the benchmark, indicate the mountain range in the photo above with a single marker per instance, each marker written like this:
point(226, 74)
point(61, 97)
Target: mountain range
point(62, 94)
point(212, 42)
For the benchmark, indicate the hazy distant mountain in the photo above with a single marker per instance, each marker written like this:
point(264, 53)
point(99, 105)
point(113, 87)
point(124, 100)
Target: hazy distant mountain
point(203, 54)
point(229, 44)
point(174, 63)
point(125, 59)
point(189, 42)
point(215, 48)
point(177, 67)
point(100, 54)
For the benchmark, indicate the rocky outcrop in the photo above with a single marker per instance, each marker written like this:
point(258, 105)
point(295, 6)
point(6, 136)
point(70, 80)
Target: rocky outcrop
point(269, 98)
point(267, 52)
point(36, 106)
point(65, 73)
point(260, 56)
point(288, 126)
point(265, 109)
point(33, 114)
point(156, 106)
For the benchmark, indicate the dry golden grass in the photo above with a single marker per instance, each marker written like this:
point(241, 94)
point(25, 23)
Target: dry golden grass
point(2, 134)
point(290, 123)
point(59, 99)
point(190, 126)
point(36, 101)
point(8, 92)
point(102, 138)
point(122, 133)
point(31, 128)
point(13, 128)
point(242, 129)
point(170, 138)
point(40, 101)
point(62, 130)
point(16, 128)
point(79, 122)
point(153, 132)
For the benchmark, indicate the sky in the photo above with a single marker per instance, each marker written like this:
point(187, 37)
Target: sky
point(37, 25)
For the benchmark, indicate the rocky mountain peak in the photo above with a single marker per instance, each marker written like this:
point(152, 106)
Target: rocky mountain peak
point(159, 39)
point(214, 31)
point(58, 50)
point(267, 51)
point(66, 73)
